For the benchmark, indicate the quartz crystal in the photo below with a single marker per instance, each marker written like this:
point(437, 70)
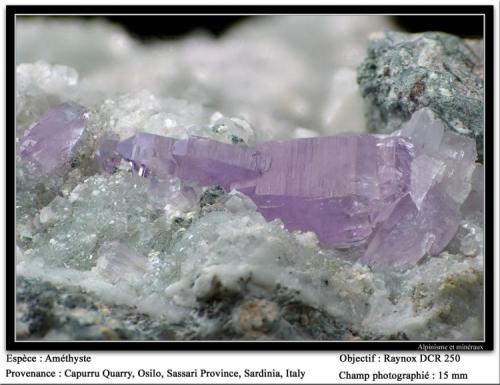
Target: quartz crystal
point(202, 160)
point(401, 194)
point(50, 142)
point(288, 180)
point(425, 220)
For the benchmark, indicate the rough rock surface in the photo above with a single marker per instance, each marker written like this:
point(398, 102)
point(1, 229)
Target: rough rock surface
point(65, 312)
point(403, 73)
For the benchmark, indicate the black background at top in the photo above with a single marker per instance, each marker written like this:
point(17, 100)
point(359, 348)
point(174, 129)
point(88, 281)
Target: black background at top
point(151, 27)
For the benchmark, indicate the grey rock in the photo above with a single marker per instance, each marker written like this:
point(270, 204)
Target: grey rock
point(403, 73)
point(52, 312)
point(239, 313)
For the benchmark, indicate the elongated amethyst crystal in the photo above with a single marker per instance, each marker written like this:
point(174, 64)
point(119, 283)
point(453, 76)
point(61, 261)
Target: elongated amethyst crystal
point(398, 195)
point(201, 160)
point(49, 143)
point(334, 186)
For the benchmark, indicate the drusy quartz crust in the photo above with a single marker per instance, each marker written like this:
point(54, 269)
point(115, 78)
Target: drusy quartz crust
point(204, 190)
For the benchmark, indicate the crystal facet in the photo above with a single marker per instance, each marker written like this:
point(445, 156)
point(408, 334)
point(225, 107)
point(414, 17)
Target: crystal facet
point(336, 187)
point(49, 143)
point(426, 220)
point(106, 154)
point(116, 261)
point(201, 160)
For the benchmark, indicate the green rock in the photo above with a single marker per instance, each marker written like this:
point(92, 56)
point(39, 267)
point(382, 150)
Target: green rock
point(403, 73)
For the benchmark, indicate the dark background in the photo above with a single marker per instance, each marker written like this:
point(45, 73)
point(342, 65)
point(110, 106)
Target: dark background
point(465, 26)
point(151, 27)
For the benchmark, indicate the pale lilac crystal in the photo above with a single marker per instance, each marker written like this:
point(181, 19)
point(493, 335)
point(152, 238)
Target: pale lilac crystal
point(50, 142)
point(195, 159)
point(411, 232)
point(425, 221)
point(449, 157)
point(474, 204)
point(106, 154)
point(213, 163)
point(115, 261)
point(335, 186)
point(148, 151)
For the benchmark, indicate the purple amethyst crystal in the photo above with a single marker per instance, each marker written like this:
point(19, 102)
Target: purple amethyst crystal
point(409, 233)
point(424, 221)
point(398, 196)
point(201, 160)
point(50, 142)
point(106, 154)
point(337, 187)
point(147, 151)
point(334, 186)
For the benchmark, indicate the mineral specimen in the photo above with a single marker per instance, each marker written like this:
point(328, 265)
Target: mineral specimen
point(401, 193)
point(403, 73)
point(158, 256)
point(197, 159)
point(50, 142)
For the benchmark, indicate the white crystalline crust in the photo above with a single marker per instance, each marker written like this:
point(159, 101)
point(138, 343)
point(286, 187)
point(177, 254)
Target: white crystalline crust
point(40, 87)
point(236, 244)
point(266, 72)
point(262, 80)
